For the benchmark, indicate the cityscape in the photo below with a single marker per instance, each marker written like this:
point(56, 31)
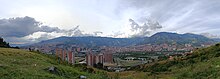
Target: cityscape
point(109, 39)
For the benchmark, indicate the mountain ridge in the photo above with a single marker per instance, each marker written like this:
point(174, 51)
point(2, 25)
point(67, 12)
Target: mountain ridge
point(158, 38)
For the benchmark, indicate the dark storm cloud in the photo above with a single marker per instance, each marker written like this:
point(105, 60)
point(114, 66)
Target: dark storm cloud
point(22, 26)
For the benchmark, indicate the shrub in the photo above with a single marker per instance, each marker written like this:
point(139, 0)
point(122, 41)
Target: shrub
point(217, 44)
point(217, 54)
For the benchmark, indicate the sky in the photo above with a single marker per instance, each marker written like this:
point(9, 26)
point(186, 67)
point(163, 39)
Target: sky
point(31, 21)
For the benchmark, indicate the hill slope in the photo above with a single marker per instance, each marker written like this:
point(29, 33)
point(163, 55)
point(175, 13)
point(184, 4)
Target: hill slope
point(201, 64)
point(21, 64)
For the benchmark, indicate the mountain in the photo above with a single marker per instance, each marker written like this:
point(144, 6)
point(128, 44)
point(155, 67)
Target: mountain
point(174, 38)
point(158, 38)
point(22, 64)
point(91, 41)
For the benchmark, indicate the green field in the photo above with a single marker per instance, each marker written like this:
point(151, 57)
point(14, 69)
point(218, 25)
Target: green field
point(22, 64)
point(203, 63)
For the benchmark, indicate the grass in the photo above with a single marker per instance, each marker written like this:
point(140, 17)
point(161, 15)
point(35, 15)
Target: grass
point(22, 64)
point(204, 63)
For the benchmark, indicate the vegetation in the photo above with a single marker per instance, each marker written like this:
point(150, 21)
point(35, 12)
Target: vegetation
point(201, 64)
point(3, 43)
point(21, 64)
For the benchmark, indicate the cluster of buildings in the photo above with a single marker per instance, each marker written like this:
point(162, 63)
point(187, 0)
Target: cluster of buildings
point(92, 57)
point(103, 57)
point(149, 48)
point(66, 55)
point(50, 48)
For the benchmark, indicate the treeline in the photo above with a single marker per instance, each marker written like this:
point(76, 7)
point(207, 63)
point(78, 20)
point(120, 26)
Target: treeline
point(4, 44)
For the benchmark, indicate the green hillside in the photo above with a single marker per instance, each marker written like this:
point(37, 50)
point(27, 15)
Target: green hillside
point(21, 64)
point(201, 64)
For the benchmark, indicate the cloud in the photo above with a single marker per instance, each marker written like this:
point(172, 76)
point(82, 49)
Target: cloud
point(97, 33)
point(138, 29)
point(210, 35)
point(181, 16)
point(118, 34)
point(21, 30)
point(190, 15)
point(22, 26)
point(76, 32)
point(49, 29)
point(143, 30)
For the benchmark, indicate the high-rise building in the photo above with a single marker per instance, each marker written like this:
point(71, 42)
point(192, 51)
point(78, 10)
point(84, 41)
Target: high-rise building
point(108, 57)
point(66, 55)
point(94, 57)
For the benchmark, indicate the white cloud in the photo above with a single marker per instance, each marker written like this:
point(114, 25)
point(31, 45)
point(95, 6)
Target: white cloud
point(111, 17)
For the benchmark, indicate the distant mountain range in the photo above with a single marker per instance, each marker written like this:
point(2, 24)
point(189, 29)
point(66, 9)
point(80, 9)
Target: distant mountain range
point(174, 38)
point(91, 41)
point(158, 38)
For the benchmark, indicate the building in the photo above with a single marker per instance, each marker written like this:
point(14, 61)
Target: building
point(95, 57)
point(129, 58)
point(66, 55)
point(108, 57)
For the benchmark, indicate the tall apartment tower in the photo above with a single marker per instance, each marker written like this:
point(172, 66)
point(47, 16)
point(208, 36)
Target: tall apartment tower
point(66, 55)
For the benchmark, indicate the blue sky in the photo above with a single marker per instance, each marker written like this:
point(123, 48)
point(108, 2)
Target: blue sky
point(111, 18)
